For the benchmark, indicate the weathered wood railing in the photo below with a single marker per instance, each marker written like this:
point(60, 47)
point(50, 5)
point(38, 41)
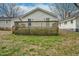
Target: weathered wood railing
point(36, 27)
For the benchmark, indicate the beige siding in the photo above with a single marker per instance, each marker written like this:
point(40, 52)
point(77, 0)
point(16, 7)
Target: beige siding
point(38, 16)
point(7, 24)
point(68, 25)
point(4, 24)
point(39, 24)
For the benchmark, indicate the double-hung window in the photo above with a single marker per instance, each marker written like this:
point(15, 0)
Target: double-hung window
point(65, 22)
point(47, 23)
point(29, 22)
point(72, 21)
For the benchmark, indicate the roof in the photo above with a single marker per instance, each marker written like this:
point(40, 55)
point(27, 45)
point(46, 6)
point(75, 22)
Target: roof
point(6, 18)
point(40, 9)
point(69, 19)
point(74, 16)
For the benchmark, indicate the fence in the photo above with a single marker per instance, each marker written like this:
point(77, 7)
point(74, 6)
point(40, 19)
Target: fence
point(36, 27)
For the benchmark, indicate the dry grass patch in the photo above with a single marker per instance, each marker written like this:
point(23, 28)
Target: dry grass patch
point(67, 43)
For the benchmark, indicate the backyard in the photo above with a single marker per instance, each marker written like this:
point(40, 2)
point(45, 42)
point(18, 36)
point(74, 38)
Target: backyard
point(19, 45)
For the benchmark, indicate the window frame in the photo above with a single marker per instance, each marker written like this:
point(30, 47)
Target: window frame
point(29, 22)
point(7, 21)
point(65, 22)
point(47, 19)
point(47, 22)
point(71, 21)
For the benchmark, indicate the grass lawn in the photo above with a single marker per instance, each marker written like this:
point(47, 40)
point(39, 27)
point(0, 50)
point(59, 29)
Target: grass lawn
point(64, 44)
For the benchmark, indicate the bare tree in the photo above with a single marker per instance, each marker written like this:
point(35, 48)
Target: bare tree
point(63, 10)
point(76, 4)
point(9, 10)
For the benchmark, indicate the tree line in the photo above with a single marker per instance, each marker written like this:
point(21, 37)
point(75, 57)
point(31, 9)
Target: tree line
point(61, 10)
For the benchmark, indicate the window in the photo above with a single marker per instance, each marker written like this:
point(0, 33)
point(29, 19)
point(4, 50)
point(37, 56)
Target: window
point(7, 22)
point(71, 21)
point(65, 22)
point(29, 22)
point(47, 23)
point(47, 19)
point(60, 24)
point(77, 30)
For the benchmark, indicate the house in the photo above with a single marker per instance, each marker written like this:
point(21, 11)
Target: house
point(71, 24)
point(37, 14)
point(7, 22)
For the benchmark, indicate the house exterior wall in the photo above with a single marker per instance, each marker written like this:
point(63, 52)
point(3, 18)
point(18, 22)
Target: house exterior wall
point(13, 20)
point(7, 23)
point(39, 24)
point(35, 16)
point(38, 16)
point(68, 25)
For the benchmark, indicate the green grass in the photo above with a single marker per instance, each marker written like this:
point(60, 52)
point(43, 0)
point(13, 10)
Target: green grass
point(64, 44)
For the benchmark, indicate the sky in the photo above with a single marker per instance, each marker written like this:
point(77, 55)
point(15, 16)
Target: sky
point(32, 4)
point(28, 6)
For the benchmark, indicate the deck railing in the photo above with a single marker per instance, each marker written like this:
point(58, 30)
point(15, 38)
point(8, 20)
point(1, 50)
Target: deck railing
point(36, 27)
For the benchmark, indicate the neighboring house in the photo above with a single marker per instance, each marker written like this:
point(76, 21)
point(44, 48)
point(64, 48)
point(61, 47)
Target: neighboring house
point(7, 22)
point(36, 14)
point(71, 24)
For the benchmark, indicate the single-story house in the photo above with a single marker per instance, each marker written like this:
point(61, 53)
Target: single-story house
point(7, 22)
point(37, 14)
point(71, 24)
